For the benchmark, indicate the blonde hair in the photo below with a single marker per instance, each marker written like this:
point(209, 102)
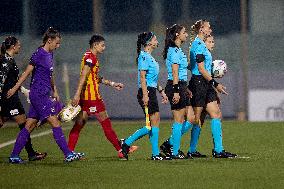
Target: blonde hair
point(206, 37)
point(194, 29)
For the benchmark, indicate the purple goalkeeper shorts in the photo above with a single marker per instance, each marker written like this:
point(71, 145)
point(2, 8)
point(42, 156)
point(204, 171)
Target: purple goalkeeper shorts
point(42, 107)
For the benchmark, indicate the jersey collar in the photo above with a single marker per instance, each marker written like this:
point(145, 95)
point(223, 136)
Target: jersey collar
point(199, 40)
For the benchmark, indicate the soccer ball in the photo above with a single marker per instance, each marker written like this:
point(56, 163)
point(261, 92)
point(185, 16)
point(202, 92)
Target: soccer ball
point(69, 112)
point(219, 68)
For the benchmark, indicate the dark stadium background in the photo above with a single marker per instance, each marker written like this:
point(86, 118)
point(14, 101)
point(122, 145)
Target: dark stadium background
point(44, 13)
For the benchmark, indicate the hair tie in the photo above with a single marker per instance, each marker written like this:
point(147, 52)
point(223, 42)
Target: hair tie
point(151, 36)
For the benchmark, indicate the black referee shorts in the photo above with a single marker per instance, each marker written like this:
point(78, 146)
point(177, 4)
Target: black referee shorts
point(184, 97)
point(153, 105)
point(202, 92)
point(11, 107)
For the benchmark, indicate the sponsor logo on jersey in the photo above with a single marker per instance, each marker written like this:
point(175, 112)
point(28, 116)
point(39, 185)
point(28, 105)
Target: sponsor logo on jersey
point(14, 112)
point(52, 109)
point(275, 112)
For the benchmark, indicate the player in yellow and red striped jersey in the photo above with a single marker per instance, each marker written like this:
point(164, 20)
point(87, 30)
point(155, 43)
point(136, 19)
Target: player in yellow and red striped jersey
point(90, 90)
point(89, 97)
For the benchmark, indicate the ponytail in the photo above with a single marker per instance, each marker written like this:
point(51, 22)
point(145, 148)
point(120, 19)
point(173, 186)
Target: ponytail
point(192, 35)
point(3, 48)
point(143, 39)
point(139, 43)
point(167, 42)
point(50, 33)
point(7, 43)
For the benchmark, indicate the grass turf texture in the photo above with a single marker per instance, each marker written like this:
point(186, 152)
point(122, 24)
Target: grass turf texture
point(262, 142)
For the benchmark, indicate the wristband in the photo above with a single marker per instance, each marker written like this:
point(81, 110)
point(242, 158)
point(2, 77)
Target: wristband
point(176, 88)
point(213, 83)
point(101, 79)
point(111, 83)
point(24, 90)
point(160, 89)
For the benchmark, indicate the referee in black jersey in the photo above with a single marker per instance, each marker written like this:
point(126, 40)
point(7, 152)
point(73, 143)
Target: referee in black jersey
point(12, 108)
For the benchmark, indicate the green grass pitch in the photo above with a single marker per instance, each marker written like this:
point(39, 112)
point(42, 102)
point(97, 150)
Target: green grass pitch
point(263, 143)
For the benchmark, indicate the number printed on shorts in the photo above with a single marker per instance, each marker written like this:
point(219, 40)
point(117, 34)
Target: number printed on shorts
point(52, 109)
point(93, 109)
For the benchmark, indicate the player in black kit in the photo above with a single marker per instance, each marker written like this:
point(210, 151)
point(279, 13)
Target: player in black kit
point(12, 108)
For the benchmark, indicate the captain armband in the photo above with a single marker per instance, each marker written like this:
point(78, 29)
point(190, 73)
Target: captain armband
point(200, 58)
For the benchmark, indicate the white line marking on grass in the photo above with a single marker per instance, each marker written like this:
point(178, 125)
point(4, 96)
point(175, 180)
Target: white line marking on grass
point(242, 157)
point(32, 136)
